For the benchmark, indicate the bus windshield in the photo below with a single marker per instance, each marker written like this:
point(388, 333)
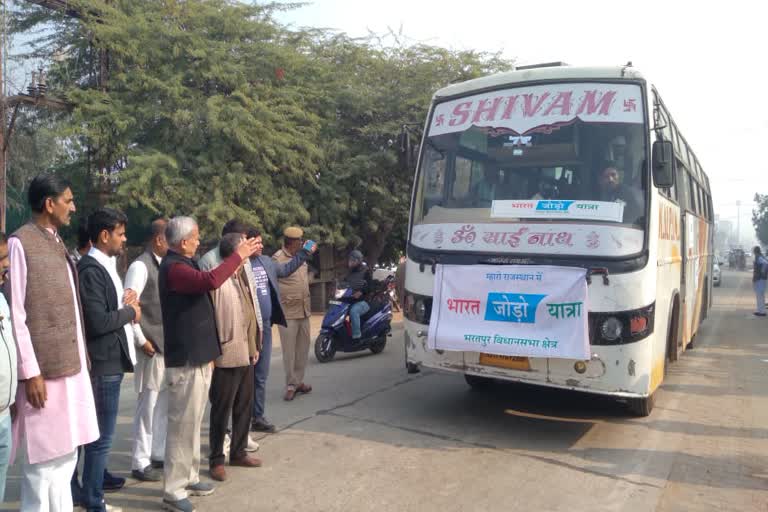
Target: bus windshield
point(570, 153)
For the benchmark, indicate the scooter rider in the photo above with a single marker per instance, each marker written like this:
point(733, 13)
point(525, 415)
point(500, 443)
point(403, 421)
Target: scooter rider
point(359, 281)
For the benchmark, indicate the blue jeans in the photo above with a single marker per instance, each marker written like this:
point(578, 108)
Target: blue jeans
point(357, 310)
point(261, 373)
point(5, 449)
point(760, 295)
point(106, 395)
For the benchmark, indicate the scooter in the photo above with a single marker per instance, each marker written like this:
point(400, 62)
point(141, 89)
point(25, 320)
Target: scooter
point(336, 331)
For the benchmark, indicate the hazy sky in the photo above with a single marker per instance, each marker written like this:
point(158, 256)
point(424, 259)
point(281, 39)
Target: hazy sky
point(703, 57)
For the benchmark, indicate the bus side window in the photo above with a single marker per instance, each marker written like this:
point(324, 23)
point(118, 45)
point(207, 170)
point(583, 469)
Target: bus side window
point(682, 189)
point(693, 198)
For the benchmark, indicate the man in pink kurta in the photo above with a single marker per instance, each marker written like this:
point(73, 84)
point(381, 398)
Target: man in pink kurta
point(55, 415)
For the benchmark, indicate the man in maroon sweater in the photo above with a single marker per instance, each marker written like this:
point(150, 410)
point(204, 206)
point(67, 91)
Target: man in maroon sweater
point(191, 345)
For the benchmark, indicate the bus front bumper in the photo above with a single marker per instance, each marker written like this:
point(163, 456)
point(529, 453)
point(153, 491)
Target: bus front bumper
point(623, 371)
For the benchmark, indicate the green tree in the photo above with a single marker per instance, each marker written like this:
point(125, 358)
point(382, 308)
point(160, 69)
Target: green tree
point(212, 108)
point(365, 92)
point(760, 218)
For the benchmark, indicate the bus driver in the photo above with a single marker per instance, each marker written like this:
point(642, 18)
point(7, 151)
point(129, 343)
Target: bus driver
point(612, 190)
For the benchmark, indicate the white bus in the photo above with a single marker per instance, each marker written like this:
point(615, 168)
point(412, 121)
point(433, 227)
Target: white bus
point(556, 167)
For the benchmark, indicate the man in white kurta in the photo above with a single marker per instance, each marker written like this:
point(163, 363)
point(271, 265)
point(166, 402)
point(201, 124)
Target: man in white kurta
point(55, 414)
point(151, 420)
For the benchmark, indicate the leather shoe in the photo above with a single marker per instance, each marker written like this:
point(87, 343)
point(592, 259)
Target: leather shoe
point(112, 483)
point(290, 393)
point(303, 388)
point(246, 462)
point(218, 473)
point(148, 474)
point(262, 425)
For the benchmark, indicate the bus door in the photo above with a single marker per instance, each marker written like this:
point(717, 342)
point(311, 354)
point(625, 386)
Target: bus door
point(689, 254)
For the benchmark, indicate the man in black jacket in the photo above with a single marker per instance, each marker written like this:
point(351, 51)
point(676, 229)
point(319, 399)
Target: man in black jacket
point(359, 281)
point(107, 312)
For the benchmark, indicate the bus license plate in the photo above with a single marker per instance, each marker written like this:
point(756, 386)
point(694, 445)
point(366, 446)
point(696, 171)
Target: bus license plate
point(510, 362)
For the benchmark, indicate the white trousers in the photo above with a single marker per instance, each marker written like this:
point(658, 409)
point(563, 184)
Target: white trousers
point(45, 486)
point(150, 426)
point(187, 397)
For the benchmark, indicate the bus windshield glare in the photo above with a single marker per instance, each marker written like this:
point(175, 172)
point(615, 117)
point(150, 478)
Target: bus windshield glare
point(564, 152)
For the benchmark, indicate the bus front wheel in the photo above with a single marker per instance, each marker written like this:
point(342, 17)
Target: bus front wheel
point(641, 407)
point(478, 383)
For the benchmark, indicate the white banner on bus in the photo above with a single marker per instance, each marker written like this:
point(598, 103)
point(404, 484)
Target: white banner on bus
point(512, 310)
point(530, 238)
point(524, 108)
point(558, 209)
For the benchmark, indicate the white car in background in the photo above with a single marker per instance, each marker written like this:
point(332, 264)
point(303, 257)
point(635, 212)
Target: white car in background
point(716, 274)
point(381, 273)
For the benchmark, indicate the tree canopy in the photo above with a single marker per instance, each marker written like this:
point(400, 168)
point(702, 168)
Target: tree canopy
point(213, 108)
point(760, 218)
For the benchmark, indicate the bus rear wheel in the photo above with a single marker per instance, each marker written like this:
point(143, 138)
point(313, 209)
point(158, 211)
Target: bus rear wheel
point(478, 383)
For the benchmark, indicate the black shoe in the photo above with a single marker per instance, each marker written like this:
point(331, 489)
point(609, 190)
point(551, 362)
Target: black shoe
point(157, 464)
point(262, 425)
point(759, 314)
point(112, 483)
point(148, 474)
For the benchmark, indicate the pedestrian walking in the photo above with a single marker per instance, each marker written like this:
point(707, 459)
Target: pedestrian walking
point(56, 410)
point(759, 277)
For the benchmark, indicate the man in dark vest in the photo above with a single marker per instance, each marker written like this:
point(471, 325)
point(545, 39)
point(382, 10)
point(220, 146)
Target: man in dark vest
point(191, 345)
point(108, 312)
point(56, 411)
point(151, 420)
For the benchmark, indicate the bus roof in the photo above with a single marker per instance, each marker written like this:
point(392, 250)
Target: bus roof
point(536, 74)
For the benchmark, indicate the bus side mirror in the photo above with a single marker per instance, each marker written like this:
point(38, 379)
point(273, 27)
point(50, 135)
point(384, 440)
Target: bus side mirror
point(662, 163)
point(404, 150)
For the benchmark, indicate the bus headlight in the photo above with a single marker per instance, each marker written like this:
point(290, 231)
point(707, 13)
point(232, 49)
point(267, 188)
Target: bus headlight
point(611, 328)
point(619, 327)
point(418, 308)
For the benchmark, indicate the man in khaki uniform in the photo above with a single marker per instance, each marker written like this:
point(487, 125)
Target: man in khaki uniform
point(294, 337)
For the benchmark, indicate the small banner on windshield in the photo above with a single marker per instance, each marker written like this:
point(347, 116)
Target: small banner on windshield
point(511, 310)
point(558, 209)
point(524, 109)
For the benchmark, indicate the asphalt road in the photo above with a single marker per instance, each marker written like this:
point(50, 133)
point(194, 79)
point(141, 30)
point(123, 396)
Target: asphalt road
point(371, 437)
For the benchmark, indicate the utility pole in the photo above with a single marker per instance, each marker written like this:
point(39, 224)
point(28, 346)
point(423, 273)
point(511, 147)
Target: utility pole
point(3, 134)
point(36, 97)
point(738, 223)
